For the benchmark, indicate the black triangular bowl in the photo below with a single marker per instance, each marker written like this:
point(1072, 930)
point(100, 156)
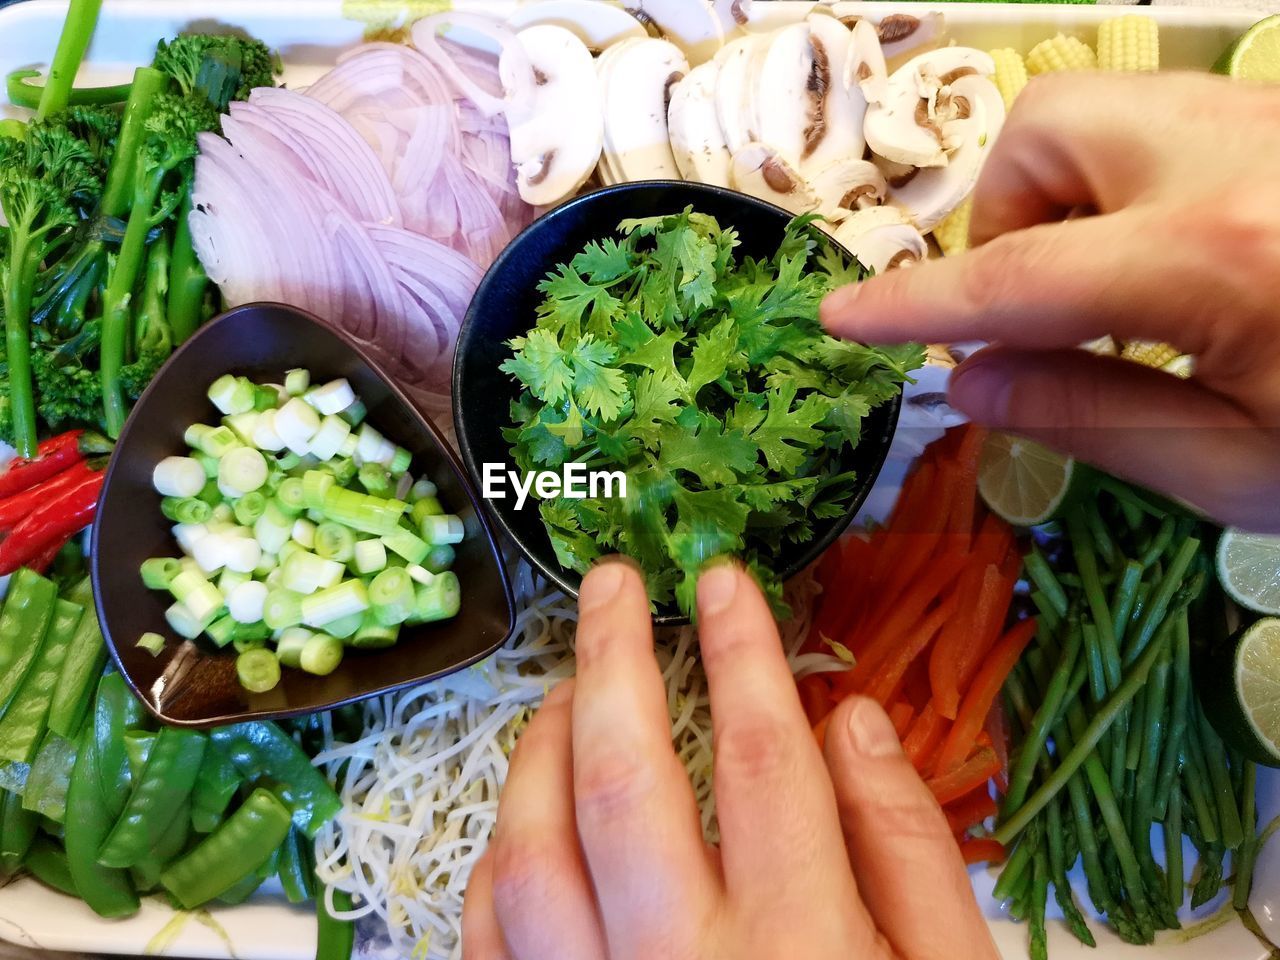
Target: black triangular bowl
point(505, 305)
point(194, 683)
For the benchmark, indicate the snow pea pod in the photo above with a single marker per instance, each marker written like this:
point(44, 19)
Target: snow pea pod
point(137, 749)
point(157, 797)
point(241, 890)
point(50, 776)
point(146, 872)
point(216, 783)
point(115, 711)
point(86, 657)
point(297, 875)
point(48, 863)
point(107, 891)
point(17, 831)
point(23, 724)
point(262, 751)
point(243, 843)
point(335, 939)
point(28, 609)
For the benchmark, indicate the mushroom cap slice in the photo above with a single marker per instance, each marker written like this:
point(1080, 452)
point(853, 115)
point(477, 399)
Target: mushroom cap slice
point(865, 66)
point(843, 106)
point(696, 141)
point(734, 16)
point(635, 77)
point(598, 25)
point(930, 195)
point(784, 105)
point(735, 98)
point(880, 239)
point(692, 25)
point(553, 159)
point(903, 35)
point(759, 170)
point(846, 186)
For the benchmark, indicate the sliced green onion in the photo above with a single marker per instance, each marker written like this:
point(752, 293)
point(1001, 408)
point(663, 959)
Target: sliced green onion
point(265, 398)
point(443, 529)
point(344, 627)
point(334, 603)
point(321, 655)
point(348, 449)
point(232, 395)
point(228, 580)
point(405, 544)
point(296, 423)
point(197, 594)
point(373, 635)
point(289, 646)
point(315, 484)
point(249, 508)
point(265, 436)
point(246, 601)
point(188, 534)
point(333, 541)
point(391, 594)
point(370, 556)
point(178, 477)
point(343, 470)
point(334, 397)
point(291, 496)
point(355, 415)
point(281, 609)
point(439, 600)
point(304, 532)
point(221, 631)
point(158, 572)
point(375, 479)
point(329, 438)
point(185, 509)
point(440, 558)
point(243, 426)
point(258, 630)
point(400, 461)
point(258, 670)
point(221, 517)
point(218, 442)
point(419, 574)
point(153, 643)
point(421, 489)
point(273, 529)
point(373, 447)
point(210, 466)
point(297, 381)
point(305, 573)
point(425, 507)
point(363, 512)
point(241, 471)
point(267, 564)
point(183, 622)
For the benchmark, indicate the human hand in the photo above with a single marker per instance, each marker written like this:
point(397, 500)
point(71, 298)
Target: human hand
point(1185, 248)
point(598, 851)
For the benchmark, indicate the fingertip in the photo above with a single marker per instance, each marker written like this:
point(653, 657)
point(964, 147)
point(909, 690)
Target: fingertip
point(863, 729)
point(606, 580)
point(981, 388)
point(718, 584)
point(836, 310)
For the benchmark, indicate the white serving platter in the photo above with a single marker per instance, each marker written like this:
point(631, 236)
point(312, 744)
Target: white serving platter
point(310, 34)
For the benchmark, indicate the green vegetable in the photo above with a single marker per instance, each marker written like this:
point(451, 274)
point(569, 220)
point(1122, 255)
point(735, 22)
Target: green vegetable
point(27, 613)
point(258, 670)
point(17, 831)
point(295, 869)
point(23, 724)
point(336, 939)
point(47, 862)
point(215, 785)
point(243, 843)
point(707, 380)
point(77, 31)
point(50, 776)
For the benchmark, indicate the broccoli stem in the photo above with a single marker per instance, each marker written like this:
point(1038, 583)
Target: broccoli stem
point(18, 281)
point(187, 281)
point(118, 192)
point(151, 328)
point(77, 31)
point(13, 129)
point(23, 94)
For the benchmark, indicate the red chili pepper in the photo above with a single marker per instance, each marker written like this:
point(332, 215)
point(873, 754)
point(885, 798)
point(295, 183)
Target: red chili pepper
point(45, 560)
point(52, 457)
point(55, 522)
point(13, 509)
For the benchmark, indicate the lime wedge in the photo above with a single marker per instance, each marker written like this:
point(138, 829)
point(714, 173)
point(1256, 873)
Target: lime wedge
point(1024, 482)
point(1256, 55)
point(1249, 569)
point(1241, 691)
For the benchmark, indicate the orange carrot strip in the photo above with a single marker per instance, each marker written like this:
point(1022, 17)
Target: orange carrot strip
point(967, 777)
point(815, 696)
point(913, 502)
point(883, 686)
point(986, 631)
point(982, 850)
point(981, 694)
point(927, 731)
point(901, 713)
point(972, 808)
point(949, 652)
point(820, 730)
point(917, 546)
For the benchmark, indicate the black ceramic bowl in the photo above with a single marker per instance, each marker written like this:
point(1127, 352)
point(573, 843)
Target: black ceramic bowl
point(192, 683)
point(504, 307)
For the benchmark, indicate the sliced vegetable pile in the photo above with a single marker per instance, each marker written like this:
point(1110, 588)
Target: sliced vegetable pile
point(1108, 735)
point(99, 804)
point(920, 609)
point(310, 519)
point(99, 277)
point(708, 381)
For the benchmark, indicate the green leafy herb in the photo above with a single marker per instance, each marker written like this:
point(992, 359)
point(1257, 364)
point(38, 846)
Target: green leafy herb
point(706, 378)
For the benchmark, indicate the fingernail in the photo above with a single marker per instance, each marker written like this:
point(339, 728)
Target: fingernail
point(871, 731)
point(981, 389)
point(716, 588)
point(601, 584)
point(835, 303)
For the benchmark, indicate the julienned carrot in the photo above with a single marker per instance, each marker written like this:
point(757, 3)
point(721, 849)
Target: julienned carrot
point(987, 630)
point(919, 544)
point(949, 653)
point(913, 503)
point(982, 694)
point(970, 775)
point(924, 737)
point(843, 594)
point(901, 713)
point(960, 523)
point(883, 685)
point(815, 697)
point(971, 809)
point(982, 850)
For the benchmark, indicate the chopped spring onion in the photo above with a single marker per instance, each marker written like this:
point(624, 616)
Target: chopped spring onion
point(210, 465)
point(355, 415)
point(221, 517)
point(273, 528)
point(421, 489)
point(297, 381)
point(265, 436)
point(334, 397)
point(246, 601)
point(443, 529)
point(153, 643)
point(296, 423)
point(249, 508)
point(440, 558)
point(258, 670)
point(289, 646)
point(334, 603)
point(241, 471)
point(373, 447)
point(375, 479)
point(282, 608)
point(186, 509)
point(344, 627)
point(405, 544)
point(426, 507)
point(291, 496)
point(228, 580)
point(315, 484)
point(304, 532)
point(183, 622)
point(363, 512)
point(329, 438)
point(197, 594)
point(222, 631)
point(243, 425)
point(333, 541)
point(215, 442)
point(304, 572)
point(391, 594)
point(373, 635)
point(265, 398)
point(178, 477)
point(321, 654)
point(400, 461)
point(232, 395)
point(158, 572)
point(370, 556)
point(187, 534)
point(438, 600)
point(419, 574)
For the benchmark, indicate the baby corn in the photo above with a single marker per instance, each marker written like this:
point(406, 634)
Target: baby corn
point(1011, 73)
point(1129, 43)
point(1060, 53)
point(952, 233)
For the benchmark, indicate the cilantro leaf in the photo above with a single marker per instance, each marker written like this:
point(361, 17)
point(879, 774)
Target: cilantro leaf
point(712, 355)
point(568, 297)
point(641, 347)
point(540, 365)
point(787, 431)
point(655, 399)
point(601, 389)
point(604, 261)
point(700, 445)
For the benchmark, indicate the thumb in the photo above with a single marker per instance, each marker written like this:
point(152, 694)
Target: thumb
point(1148, 426)
point(908, 867)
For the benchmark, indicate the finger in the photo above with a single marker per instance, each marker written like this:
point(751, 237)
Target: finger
point(481, 935)
point(637, 816)
point(1132, 421)
point(542, 892)
point(906, 862)
point(1055, 285)
point(780, 839)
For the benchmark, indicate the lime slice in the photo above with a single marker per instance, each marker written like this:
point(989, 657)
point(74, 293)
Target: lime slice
point(1249, 569)
point(1256, 55)
point(1241, 692)
point(1024, 482)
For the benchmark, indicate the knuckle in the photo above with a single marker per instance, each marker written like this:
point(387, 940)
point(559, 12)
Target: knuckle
point(751, 750)
point(893, 808)
point(525, 872)
point(610, 787)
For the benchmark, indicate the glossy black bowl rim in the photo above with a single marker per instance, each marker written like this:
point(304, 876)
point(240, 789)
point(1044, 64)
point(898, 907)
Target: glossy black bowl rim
point(95, 553)
point(569, 580)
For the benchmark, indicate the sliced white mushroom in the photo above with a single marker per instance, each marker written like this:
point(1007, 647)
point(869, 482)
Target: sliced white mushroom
point(596, 24)
point(932, 194)
point(553, 159)
point(840, 133)
point(696, 141)
point(785, 107)
point(735, 96)
point(846, 186)
point(880, 238)
point(865, 65)
point(691, 25)
point(758, 170)
point(903, 36)
point(908, 126)
point(635, 80)
point(734, 16)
